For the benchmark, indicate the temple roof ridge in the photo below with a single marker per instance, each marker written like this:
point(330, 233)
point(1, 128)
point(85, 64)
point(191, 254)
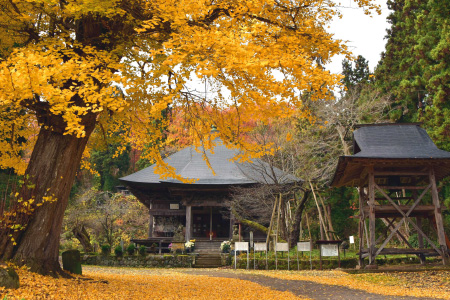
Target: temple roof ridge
point(190, 164)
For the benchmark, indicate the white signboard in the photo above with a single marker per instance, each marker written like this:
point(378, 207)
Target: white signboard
point(329, 250)
point(351, 239)
point(260, 246)
point(174, 206)
point(304, 246)
point(241, 246)
point(282, 247)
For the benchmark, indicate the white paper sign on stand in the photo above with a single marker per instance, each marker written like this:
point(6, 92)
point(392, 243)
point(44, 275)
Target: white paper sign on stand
point(303, 247)
point(330, 250)
point(351, 239)
point(259, 247)
point(240, 246)
point(281, 247)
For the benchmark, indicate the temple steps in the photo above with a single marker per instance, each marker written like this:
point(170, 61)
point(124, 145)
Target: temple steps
point(208, 260)
point(208, 254)
point(207, 247)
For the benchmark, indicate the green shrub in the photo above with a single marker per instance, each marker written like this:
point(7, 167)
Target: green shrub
point(106, 249)
point(143, 250)
point(130, 249)
point(118, 251)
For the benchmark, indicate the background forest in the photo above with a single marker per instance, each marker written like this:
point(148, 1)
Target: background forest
point(410, 84)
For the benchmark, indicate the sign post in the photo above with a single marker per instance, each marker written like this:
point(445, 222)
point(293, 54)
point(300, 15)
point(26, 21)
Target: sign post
point(240, 246)
point(281, 247)
point(304, 246)
point(329, 248)
point(352, 241)
point(259, 247)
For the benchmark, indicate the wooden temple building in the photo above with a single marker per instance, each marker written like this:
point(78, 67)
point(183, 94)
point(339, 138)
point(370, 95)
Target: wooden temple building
point(201, 208)
point(396, 167)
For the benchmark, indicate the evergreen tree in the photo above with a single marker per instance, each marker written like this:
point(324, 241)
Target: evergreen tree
point(415, 69)
point(397, 66)
point(355, 76)
point(432, 53)
point(110, 165)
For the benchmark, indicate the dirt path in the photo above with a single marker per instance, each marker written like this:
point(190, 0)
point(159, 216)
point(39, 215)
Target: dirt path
point(308, 289)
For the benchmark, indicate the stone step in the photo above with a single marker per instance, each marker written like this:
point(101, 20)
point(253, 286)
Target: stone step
point(208, 261)
point(207, 247)
point(204, 260)
point(209, 255)
point(208, 244)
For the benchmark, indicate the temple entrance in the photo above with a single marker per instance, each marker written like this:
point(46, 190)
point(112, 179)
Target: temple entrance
point(209, 223)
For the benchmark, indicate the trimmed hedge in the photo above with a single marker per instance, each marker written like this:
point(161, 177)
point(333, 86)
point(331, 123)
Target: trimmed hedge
point(152, 261)
point(260, 264)
point(327, 264)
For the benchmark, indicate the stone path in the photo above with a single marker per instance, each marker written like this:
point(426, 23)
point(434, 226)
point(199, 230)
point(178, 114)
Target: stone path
point(307, 289)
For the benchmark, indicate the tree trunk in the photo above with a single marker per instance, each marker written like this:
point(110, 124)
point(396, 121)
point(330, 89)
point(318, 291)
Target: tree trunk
point(330, 223)
point(83, 237)
point(51, 172)
point(295, 231)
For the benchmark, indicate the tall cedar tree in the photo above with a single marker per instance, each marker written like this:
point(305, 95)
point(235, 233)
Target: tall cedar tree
point(355, 76)
point(415, 68)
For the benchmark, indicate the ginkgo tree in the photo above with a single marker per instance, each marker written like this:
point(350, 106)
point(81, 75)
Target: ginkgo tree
point(71, 65)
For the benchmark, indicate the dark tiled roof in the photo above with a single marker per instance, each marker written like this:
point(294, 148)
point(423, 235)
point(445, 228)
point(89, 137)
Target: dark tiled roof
point(189, 163)
point(392, 147)
point(396, 141)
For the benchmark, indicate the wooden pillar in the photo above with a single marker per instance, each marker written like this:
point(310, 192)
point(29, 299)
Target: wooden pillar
point(210, 223)
point(150, 225)
point(438, 217)
point(188, 233)
point(232, 222)
point(361, 224)
point(420, 240)
point(150, 221)
point(419, 235)
point(371, 196)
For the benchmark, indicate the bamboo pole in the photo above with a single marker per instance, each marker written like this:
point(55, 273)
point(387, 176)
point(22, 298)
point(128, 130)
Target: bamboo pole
point(269, 231)
point(318, 209)
point(278, 219)
point(327, 217)
point(276, 236)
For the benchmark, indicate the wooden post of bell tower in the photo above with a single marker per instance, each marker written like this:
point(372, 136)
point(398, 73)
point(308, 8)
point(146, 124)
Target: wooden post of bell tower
point(438, 217)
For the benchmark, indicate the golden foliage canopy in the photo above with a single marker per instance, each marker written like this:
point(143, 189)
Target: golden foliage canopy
point(128, 61)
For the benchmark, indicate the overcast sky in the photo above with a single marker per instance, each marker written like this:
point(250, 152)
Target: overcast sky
point(365, 34)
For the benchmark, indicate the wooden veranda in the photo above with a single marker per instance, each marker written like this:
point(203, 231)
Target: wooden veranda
point(395, 168)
